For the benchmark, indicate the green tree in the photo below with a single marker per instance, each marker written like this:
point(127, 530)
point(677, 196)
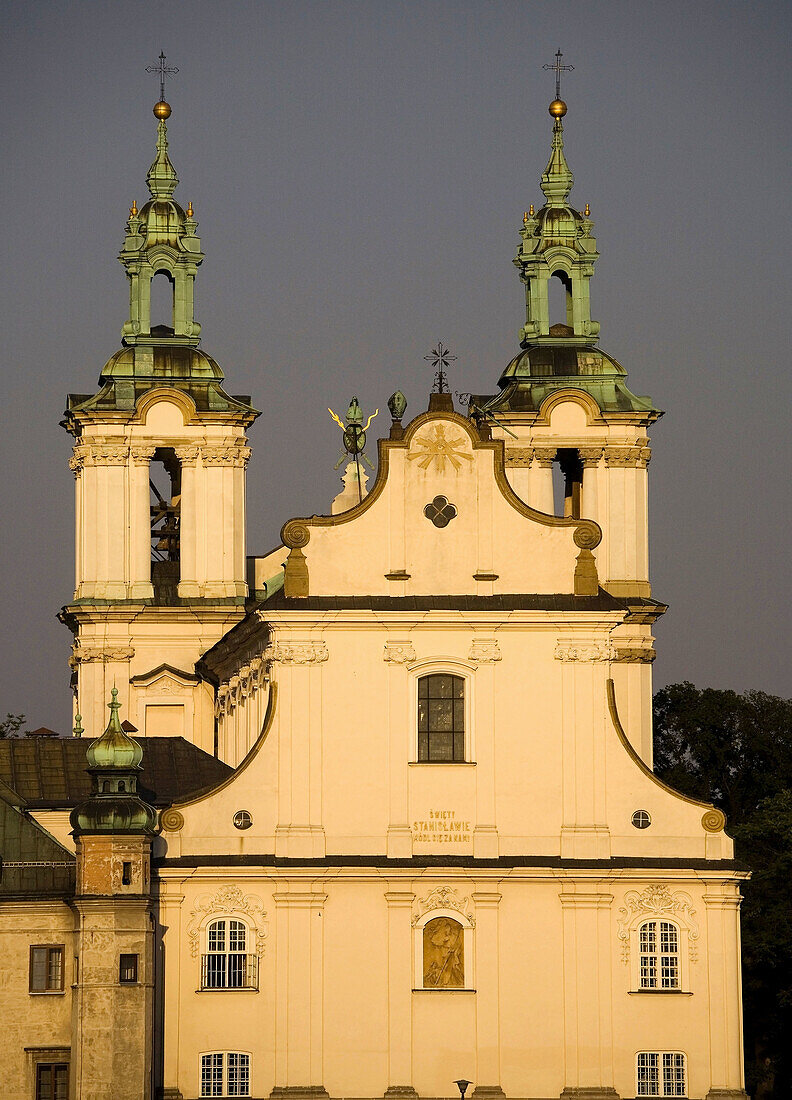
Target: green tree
point(736, 751)
point(11, 725)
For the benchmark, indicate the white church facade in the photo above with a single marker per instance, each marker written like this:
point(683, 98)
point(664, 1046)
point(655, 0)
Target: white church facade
point(437, 851)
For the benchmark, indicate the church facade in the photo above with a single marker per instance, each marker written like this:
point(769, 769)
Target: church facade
point(437, 855)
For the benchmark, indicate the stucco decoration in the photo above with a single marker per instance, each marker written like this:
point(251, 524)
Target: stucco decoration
point(484, 651)
point(172, 820)
point(443, 897)
point(638, 455)
point(657, 901)
point(84, 654)
point(588, 534)
point(298, 653)
point(398, 653)
point(713, 821)
point(227, 900)
point(567, 650)
point(434, 448)
point(225, 456)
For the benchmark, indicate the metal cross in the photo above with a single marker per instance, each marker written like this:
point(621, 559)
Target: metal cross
point(164, 71)
point(559, 68)
point(440, 359)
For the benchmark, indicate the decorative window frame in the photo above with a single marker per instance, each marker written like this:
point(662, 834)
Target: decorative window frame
point(205, 1053)
point(443, 901)
point(662, 1095)
point(46, 1055)
point(228, 902)
point(450, 666)
point(657, 902)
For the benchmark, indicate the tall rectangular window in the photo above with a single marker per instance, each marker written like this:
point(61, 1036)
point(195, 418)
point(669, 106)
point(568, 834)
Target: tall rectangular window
point(46, 968)
point(52, 1081)
point(128, 969)
point(441, 719)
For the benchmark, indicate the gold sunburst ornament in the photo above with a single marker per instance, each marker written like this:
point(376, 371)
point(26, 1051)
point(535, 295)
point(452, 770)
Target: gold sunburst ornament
point(438, 449)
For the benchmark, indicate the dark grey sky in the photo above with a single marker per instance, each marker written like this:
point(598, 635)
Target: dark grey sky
point(359, 173)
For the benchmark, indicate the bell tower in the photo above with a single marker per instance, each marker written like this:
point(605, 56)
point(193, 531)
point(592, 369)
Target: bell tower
point(160, 453)
point(575, 436)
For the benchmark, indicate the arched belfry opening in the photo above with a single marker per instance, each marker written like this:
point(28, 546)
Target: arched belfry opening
point(163, 298)
point(559, 299)
point(165, 484)
point(567, 482)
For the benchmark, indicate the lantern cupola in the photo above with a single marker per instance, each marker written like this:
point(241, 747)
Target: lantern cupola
point(557, 243)
point(161, 239)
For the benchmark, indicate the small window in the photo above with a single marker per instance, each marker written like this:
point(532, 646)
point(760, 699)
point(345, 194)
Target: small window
point(660, 1073)
point(225, 1074)
point(441, 719)
point(46, 969)
point(443, 954)
point(52, 1081)
point(641, 819)
point(242, 819)
point(126, 873)
point(128, 969)
point(658, 943)
point(227, 963)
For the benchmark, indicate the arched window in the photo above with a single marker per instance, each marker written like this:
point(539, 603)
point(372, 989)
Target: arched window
point(658, 945)
point(227, 963)
point(441, 718)
point(660, 1073)
point(225, 1073)
point(443, 954)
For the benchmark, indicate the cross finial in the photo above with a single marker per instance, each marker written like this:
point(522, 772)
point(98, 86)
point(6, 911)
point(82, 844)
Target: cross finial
point(440, 358)
point(164, 72)
point(558, 68)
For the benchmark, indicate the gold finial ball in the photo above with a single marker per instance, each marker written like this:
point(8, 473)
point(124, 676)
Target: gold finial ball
point(557, 108)
point(162, 110)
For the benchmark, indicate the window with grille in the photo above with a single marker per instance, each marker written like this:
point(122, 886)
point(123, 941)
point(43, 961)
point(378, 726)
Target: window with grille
point(52, 1081)
point(227, 963)
point(225, 1074)
point(658, 944)
point(441, 719)
point(128, 969)
point(46, 968)
point(660, 1073)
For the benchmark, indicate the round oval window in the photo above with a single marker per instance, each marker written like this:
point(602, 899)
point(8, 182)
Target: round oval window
point(641, 819)
point(242, 819)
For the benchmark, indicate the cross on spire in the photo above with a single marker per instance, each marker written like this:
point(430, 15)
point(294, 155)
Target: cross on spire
point(440, 358)
point(558, 68)
point(164, 72)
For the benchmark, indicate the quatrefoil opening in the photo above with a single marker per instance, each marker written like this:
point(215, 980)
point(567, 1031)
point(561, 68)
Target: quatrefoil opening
point(440, 512)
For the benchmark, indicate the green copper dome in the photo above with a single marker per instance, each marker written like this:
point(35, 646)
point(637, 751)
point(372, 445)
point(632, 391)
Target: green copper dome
point(114, 764)
point(114, 749)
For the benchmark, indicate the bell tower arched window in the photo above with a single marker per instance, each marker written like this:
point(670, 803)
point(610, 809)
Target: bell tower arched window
point(165, 484)
point(163, 294)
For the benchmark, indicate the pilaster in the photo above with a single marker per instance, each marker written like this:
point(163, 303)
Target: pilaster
point(722, 904)
point(299, 992)
point(487, 980)
point(296, 666)
point(400, 962)
point(588, 1011)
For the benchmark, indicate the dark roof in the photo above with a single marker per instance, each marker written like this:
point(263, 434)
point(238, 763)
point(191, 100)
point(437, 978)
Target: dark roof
point(33, 862)
point(49, 773)
point(506, 602)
